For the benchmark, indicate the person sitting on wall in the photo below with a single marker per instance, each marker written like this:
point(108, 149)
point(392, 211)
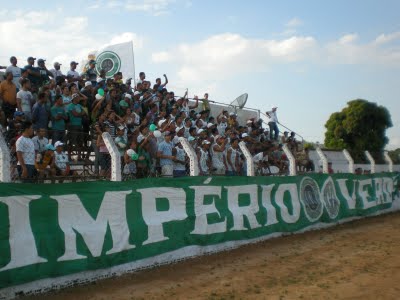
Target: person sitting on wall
point(304, 163)
point(61, 161)
point(292, 143)
point(45, 162)
point(358, 171)
point(40, 140)
point(330, 170)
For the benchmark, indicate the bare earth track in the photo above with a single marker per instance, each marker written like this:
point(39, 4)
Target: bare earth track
point(357, 260)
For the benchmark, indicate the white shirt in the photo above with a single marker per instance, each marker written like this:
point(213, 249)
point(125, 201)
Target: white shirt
point(203, 161)
point(139, 81)
point(217, 157)
point(259, 157)
point(234, 153)
point(56, 73)
point(26, 100)
point(186, 134)
point(61, 160)
point(221, 127)
point(272, 116)
point(137, 119)
point(16, 71)
point(180, 155)
point(25, 145)
point(40, 144)
point(74, 74)
point(204, 123)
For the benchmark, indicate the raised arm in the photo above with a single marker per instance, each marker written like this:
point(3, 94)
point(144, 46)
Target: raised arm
point(166, 81)
point(196, 104)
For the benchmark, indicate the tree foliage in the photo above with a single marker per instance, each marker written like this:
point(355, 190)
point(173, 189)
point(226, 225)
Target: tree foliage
point(360, 126)
point(395, 155)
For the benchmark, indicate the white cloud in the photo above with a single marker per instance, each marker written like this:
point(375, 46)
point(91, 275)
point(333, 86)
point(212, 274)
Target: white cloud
point(95, 5)
point(386, 38)
point(220, 56)
point(348, 39)
point(69, 38)
point(291, 27)
point(295, 22)
point(160, 57)
point(347, 50)
point(113, 4)
point(137, 40)
point(223, 56)
point(153, 7)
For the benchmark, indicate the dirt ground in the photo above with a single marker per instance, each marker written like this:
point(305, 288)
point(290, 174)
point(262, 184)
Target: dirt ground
point(357, 260)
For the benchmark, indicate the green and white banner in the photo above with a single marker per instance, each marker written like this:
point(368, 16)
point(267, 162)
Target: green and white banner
point(113, 58)
point(58, 235)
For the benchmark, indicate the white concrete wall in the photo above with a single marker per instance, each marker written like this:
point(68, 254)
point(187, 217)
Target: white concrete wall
point(340, 164)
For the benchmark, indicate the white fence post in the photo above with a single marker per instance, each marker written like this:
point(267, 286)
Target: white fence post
point(371, 161)
point(5, 159)
point(292, 160)
point(388, 160)
point(249, 159)
point(350, 160)
point(323, 159)
point(115, 157)
point(194, 166)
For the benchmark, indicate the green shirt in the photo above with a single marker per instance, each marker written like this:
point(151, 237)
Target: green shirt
point(75, 121)
point(147, 159)
point(57, 111)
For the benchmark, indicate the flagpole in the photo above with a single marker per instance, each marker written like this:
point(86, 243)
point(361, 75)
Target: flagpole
point(134, 73)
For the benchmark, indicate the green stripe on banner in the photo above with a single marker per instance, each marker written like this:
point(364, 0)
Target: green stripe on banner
point(48, 231)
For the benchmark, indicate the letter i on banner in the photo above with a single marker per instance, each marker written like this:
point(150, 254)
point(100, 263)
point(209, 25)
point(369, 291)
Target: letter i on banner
point(22, 242)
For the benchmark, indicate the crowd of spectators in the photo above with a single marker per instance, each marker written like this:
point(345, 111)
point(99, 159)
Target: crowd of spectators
point(50, 119)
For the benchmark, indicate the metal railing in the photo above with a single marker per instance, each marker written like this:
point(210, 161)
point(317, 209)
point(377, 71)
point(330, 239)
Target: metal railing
point(112, 166)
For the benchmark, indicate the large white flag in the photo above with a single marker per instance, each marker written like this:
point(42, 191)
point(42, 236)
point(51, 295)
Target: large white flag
point(114, 58)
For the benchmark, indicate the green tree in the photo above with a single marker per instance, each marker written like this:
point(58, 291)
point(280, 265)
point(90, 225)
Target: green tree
point(395, 155)
point(360, 126)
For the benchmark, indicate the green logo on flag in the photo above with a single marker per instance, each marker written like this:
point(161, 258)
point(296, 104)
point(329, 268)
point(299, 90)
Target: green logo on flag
point(108, 61)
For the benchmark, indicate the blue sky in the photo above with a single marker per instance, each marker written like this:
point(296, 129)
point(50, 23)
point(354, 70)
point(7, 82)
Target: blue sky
point(307, 57)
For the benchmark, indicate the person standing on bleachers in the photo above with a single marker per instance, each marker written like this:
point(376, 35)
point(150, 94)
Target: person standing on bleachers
point(15, 70)
point(8, 95)
point(26, 153)
point(273, 123)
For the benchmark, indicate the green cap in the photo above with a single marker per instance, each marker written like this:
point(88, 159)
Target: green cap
point(123, 103)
